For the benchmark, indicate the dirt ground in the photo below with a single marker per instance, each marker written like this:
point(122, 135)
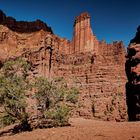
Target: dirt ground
point(83, 129)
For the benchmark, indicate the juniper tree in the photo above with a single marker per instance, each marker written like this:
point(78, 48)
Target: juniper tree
point(14, 85)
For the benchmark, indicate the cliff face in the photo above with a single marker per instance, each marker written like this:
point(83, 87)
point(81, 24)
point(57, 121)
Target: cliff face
point(96, 67)
point(133, 75)
point(23, 26)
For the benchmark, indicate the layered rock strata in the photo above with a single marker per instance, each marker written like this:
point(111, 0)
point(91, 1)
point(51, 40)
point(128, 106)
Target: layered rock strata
point(95, 67)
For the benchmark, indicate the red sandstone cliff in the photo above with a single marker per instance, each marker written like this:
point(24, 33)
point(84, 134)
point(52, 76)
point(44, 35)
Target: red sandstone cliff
point(96, 67)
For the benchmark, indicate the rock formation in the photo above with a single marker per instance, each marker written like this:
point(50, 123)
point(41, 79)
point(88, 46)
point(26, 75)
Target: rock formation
point(95, 67)
point(83, 39)
point(133, 75)
point(23, 26)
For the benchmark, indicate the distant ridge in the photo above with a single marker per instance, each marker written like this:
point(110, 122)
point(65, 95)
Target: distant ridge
point(23, 26)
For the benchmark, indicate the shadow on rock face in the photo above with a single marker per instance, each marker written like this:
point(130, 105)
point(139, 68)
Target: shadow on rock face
point(133, 101)
point(132, 68)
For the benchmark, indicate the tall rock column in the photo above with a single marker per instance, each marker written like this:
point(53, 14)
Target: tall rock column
point(133, 75)
point(83, 38)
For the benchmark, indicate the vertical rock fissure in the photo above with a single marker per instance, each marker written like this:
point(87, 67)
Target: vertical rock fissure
point(50, 59)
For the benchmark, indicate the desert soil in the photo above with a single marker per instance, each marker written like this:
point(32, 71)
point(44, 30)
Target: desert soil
point(84, 129)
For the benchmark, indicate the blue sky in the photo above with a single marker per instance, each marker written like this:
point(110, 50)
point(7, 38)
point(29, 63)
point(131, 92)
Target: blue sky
point(111, 20)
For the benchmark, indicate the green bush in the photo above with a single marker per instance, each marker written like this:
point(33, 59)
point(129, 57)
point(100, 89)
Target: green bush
point(53, 97)
point(59, 115)
point(13, 88)
point(6, 119)
point(73, 95)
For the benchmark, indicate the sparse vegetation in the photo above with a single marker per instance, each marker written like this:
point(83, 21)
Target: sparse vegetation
point(58, 116)
point(72, 96)
point(53, 97)
point(6, 119)
point(13, 88)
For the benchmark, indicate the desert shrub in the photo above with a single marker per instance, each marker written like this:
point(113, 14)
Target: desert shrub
point(53, 96)
point(59, 115)
point(6, 119)
point(13, 89)
point(72, 96)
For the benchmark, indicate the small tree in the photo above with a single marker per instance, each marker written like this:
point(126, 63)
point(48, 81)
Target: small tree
point(14, 85)
point(53, 97)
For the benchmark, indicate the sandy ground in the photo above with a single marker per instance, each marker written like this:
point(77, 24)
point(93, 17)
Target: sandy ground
point(83, 129)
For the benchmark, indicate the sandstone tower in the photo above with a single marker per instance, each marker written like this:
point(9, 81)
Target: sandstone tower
point(83, 39)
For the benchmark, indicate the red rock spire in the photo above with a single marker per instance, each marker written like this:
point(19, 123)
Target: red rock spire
point(82, 36)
